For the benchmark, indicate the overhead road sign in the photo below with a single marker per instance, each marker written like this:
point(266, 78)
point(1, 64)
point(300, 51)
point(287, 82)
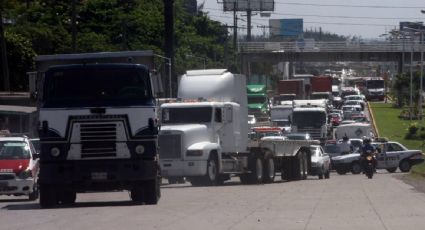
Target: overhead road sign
point(245, 5)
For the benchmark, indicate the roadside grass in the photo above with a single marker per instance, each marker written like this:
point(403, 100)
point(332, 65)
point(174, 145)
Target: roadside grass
point(394, 128)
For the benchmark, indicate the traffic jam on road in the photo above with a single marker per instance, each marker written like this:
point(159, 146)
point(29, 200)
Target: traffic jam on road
point(217, 128)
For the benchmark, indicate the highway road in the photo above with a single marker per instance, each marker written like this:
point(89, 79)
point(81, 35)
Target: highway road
point(342, 202)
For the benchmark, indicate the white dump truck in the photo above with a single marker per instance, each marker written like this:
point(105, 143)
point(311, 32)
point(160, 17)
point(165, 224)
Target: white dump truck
point(204, 136)
point(310, 116)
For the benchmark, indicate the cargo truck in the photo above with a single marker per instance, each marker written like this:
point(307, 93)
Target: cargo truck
point(258, 102)
point(293, 86)
point(374, 88)
point(97, 126)
point(310, 116)
point(204, 136)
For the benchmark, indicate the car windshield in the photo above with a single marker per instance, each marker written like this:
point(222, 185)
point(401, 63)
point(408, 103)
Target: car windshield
point(297, 137)
point(13, 150)
point(309, 118)
point(96, 86)
point(314, 151)
point(282, 123)
point(332, 149)
point(192, 115)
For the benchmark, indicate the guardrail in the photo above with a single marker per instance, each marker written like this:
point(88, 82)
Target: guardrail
point(298, 47)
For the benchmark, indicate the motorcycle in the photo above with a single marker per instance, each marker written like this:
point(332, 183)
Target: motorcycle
point(369, 165)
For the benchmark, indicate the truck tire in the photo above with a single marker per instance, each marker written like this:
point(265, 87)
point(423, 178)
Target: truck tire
point(212, 176)
point(269, 169)
point(404, 166)
point(328, 174)
point(48, 196)
point(320, 174)
point(136, 194)
point(256, 174)
point(286, 169)
point(356, 168)
point(152, 192)
point(67, 197)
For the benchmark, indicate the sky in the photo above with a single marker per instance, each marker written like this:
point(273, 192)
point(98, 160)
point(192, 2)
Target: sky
point(365, 18)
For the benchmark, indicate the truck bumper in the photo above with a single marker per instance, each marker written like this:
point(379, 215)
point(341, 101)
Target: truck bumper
point(97, 175)
point(16, 187)
point(171, 168)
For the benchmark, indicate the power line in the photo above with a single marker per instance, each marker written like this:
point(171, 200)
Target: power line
point(346, 5)
point(316, 22)
point(330, 16)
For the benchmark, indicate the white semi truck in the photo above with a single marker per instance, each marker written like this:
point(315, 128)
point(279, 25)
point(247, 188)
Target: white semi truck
point(310, 116)
point(204, 137)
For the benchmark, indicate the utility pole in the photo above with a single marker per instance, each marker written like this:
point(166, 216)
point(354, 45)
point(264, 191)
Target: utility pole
point(74, 26)
point(248, 21)
point(4, 62)
point(169, 38)
point(235, 27)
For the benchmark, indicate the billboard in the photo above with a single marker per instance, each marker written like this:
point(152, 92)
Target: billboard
point(411, 25)
point(286, 27)
point(244, 5)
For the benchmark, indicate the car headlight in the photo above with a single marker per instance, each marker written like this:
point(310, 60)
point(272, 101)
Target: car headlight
point(55, 151)
point(194, 153)
point(140, 149)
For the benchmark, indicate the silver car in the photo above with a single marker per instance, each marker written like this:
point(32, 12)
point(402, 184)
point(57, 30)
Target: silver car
point(320, 162)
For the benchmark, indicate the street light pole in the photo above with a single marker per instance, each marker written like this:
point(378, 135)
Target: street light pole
point(421, 80)
point(169, 73)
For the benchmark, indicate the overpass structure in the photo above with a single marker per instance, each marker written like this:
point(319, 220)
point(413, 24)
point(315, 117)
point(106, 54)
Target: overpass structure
point(377, 51)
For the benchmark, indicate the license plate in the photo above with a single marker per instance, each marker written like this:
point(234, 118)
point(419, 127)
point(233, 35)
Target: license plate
point(99, 176)
point(3, 185)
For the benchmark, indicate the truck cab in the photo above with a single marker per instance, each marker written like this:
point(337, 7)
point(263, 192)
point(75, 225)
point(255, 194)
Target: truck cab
point(310, 116)
point(258, 101)
point(97, 128)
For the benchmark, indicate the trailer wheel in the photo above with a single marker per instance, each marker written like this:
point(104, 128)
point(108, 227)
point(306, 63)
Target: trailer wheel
point(286, 169)
point(48, 196)
point(269, 169)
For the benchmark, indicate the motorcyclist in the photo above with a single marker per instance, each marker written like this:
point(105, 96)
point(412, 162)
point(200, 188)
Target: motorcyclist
point(367, 149)
point(345, 146)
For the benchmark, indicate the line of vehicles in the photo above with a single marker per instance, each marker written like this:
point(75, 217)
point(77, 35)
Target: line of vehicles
point(99, 129)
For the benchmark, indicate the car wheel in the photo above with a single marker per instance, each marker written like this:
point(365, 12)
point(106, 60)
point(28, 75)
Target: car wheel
point(405, 166)
point(391, 170)
point(341, 172)
point(356, 168)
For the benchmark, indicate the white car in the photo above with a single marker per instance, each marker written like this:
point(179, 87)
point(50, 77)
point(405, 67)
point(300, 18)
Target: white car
point(391, 155)
point(320, 162)
point(355, 103)
point(355, 97)
point(18, 167)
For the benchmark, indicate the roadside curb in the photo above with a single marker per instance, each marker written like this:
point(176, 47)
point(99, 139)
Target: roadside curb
point(372, 120)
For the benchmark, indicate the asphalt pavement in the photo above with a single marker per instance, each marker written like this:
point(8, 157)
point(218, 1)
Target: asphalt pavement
point(342, 202)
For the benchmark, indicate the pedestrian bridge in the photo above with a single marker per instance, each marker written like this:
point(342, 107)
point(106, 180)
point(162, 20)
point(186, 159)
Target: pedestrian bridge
point(377, 51)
